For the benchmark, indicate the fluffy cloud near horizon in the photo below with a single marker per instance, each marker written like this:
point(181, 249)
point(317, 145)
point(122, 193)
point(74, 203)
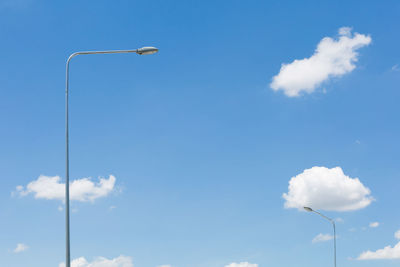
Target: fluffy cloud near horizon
point(20, 248)
point(322, 238)
point(242, 264)
point(326, 189)
point(386, 253)
point(50, 187)
point(332, 58)
point(121, 261)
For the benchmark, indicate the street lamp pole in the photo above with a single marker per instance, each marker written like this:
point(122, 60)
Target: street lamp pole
point(334, 230)
point(140, 51)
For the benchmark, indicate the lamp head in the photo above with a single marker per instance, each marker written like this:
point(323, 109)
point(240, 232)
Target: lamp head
point(308, 209)
point(147, 50)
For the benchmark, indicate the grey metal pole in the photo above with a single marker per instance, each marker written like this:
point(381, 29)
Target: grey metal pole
point(67, 245)
point(140, 51)
point(334, 240)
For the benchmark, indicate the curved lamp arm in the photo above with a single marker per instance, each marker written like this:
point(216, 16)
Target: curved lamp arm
point(140, 51)
point(334, 229)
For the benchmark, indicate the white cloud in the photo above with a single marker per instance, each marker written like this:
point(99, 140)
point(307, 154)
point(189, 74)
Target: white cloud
point(322, 238)
point(326, 189)
point(121, 261)
point(165, 265)
point(20, 248)
point(339, 220)
point(332, 58)
point(397, 234)
point(396, 68)
point(374, 224)
point(384, 253)
point(50, 187)
point(242, 264)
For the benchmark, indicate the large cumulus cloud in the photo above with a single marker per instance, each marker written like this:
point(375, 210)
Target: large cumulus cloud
point(326, 189)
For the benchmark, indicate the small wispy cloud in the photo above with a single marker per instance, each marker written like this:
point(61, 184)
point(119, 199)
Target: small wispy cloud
point(121, 261)
point(339, 220)
point(397, 234)
point(374, 224)
point(20, 248)
point(241, 264)
point(322, 238)
point(396, 67)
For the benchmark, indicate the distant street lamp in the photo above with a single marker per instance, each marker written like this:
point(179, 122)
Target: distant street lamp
point(140, 51)
point(334, 231)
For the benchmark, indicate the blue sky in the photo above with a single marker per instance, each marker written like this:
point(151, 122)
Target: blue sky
point(201, 146)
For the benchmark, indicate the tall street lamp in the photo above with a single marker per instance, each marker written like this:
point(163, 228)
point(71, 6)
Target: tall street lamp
point(140, 51)
point(334, 230)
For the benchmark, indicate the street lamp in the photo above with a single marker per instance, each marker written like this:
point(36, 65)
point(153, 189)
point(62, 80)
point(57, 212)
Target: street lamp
point(334, 231)
point(140, 51)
